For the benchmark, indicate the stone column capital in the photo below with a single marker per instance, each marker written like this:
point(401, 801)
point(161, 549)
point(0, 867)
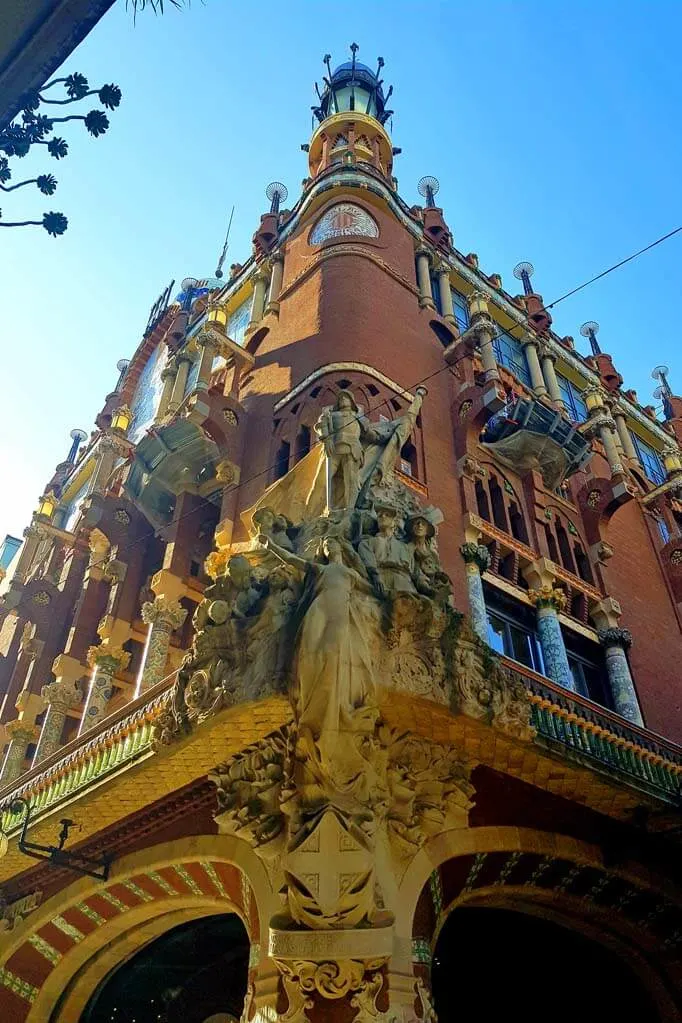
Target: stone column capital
point(166, 584)
point(62, 694)
point(108, 658)
point(164, 612)
point(548, 597)
point(546, 350)
point(615, 637)
point(65, 666)
point(422, 251)
point(530, 341)
point(21, 731)
point(598, 421)
point(606, 613)
point(476, 554)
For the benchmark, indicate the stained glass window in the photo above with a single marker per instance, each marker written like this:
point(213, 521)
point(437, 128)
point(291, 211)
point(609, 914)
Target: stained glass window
point(147, 394)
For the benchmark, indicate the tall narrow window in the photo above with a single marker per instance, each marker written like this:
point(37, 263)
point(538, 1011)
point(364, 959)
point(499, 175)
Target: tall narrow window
point(551, 545)
point(509, 352)
point(302, 444)
point(459, 304)
point(482, 501)
point(650, 459)
point(282, 460)
point(572, 399)
point(583, 563)
point(518, 526)
point(408, 459)
point(565, 549)
point(497, 501)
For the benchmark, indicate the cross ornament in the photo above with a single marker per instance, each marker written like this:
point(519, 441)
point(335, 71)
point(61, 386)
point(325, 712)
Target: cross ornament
point(329, 861)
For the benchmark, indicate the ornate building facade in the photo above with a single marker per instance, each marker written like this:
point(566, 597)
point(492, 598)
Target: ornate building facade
point(339, 664)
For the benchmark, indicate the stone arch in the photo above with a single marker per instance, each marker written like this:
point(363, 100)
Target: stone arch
point(70, 942)
point(588, 895)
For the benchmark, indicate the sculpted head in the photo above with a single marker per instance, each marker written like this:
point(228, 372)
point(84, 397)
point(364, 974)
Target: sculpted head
point(331, 548)
point(419, 528)
point(264, 518)
point(345, 401)
point(239, 570)
point(386, 519)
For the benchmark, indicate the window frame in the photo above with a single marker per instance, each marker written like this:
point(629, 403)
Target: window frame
point(650, 460)
point(572, 397)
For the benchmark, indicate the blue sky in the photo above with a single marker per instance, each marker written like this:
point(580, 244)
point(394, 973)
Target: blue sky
point(553, 128)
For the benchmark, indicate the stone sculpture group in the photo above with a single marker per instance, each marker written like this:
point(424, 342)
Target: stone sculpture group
point(336, 610)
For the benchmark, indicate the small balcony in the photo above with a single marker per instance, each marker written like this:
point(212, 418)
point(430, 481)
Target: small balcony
point(529, 435)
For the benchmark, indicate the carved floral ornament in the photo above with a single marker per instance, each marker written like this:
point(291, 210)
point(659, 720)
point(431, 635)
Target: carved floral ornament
point(339, 599)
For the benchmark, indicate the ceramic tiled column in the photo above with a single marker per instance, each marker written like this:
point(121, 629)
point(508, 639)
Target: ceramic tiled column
point(615, 642)
point(163, 615)
point(106, 661)
point(60, 696)
point(548, 602)
point(20, 734)
point(477, 560)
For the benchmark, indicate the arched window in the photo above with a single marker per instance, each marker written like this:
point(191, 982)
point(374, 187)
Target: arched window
point(482, 501)
point(302, 443)
point(518, 525)
point(565, 549)
point(497, 502)
point(551, 545)
point(282, 460)
point(408, 459)
point(583, 564)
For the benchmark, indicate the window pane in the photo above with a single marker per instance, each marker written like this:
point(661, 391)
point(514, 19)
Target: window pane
point(510, 353)
point(575, 406)
point(522, 646)
point(461, 310)
point(653, 467)
point(496, 633)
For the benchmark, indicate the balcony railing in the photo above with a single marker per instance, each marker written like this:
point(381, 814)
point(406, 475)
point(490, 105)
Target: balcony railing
point(116, 743)
point(566, 723)
point(571, 724)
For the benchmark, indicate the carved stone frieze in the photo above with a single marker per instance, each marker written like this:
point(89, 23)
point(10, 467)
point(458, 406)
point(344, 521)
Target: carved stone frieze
point(302, 980)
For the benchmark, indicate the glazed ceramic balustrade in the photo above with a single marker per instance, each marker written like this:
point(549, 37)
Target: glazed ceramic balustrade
point(575, 726)
point(119, 741)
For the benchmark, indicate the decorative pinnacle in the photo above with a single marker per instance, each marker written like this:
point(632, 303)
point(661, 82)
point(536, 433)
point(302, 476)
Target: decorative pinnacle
point(523, 272)
point(122, 367)
point(590, 329)
point(276, 193)
point(664, 390)
point(77, 438)
point(428, 186)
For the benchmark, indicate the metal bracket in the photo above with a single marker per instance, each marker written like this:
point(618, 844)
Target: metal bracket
point(57, 855)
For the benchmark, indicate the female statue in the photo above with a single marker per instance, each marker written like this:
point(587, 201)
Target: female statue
point(333, 678)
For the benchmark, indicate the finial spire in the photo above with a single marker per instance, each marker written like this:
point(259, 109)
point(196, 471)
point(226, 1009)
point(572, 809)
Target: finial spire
point(590, 329)
point(523, 272)
point(77, 438)
point(219, 267)
point(664, 390)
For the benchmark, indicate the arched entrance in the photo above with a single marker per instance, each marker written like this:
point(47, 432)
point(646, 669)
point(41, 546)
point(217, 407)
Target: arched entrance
point(493, 963)
point(192, 973)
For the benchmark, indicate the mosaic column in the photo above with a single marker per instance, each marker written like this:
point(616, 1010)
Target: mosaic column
point(106, 661)
point(183, 361)
point(208, 351)
point(615, 642)
point(601, 425)
point(530, 347)
point(20, 733)
point(626, 441)
point(168, 379)
point(548, 358)
point(163, 616)
point(549, 601)
point(275, 283)
point(258, 302)
point(445, 294)
point(424, 280)
point(477, 560)
point(60, 696)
